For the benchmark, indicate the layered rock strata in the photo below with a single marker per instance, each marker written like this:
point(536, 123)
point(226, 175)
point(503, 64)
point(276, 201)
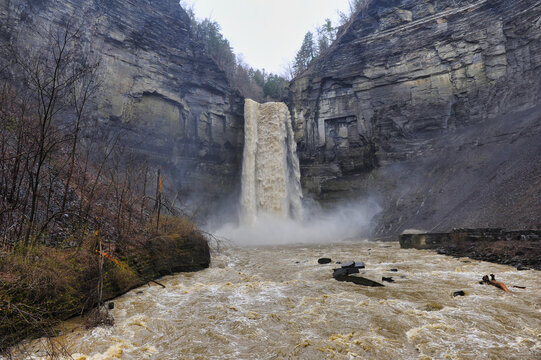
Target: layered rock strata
point(413, 89)
point(173, 104)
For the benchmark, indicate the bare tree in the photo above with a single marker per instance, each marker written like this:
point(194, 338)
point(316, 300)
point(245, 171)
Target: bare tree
point(354, 7)
point(82, 92)
point(53, 82)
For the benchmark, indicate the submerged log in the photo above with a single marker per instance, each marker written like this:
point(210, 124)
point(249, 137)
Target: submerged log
point(358, 280)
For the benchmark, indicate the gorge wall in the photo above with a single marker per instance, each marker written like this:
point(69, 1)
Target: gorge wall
point(174, 105)
point(429, 106)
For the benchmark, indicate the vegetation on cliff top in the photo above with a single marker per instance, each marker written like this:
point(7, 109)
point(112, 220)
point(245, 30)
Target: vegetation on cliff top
point(252, 83)
point(313, 46)
point(255, 83)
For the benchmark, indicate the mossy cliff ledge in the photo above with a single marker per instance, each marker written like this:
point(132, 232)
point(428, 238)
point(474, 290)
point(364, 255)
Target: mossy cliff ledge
point(429, 106)
point(41, 286)
point(175, 106)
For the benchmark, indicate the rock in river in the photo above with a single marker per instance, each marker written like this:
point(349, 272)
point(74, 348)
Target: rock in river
point(344, 272)
point(353, 264)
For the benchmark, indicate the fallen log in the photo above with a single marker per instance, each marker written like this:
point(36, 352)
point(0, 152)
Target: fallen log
point(492, 281)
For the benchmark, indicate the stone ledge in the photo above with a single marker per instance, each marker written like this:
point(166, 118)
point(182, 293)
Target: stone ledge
point(520, 248)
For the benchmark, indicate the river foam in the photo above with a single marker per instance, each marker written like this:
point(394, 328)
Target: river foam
point(279, 303)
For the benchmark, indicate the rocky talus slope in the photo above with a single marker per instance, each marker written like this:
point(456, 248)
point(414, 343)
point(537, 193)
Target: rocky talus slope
point(431, 108)
point(174, 104)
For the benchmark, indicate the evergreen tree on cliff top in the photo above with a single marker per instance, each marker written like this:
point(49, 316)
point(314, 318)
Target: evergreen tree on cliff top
point(306, 54)
point(326, 34)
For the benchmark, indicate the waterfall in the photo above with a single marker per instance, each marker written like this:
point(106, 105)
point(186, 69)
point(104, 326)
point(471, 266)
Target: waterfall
point(270, 168)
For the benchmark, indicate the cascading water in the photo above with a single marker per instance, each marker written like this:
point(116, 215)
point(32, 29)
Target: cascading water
point(270, 170)
point(271, 200)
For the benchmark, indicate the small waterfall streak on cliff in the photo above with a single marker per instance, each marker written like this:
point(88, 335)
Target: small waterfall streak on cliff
point(270, 169)
point(294, 173)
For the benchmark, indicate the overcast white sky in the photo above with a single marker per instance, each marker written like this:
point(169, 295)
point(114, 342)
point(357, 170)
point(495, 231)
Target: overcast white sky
point(268, 33)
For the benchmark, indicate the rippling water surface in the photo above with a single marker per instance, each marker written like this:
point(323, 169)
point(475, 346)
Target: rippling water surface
point(278, 302)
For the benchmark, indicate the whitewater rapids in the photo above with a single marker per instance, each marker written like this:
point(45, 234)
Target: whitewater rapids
point(279, 303)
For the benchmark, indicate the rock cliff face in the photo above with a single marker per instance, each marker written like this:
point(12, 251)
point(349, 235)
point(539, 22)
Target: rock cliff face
point(428, 105)
point(415, 104)
point(175, 105)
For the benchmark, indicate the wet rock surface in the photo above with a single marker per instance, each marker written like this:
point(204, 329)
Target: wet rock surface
point(353, 264)
point(429, 106)
point(344, 272)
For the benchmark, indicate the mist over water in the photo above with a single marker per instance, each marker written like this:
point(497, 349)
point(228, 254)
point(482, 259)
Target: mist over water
point(347, 221)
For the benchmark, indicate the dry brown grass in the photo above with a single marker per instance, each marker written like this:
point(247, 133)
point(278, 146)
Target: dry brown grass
point(41, 286)
point(38, 286)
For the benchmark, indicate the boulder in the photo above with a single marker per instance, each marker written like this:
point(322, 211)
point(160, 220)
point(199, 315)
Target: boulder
point(344, 272)
point(353, 264)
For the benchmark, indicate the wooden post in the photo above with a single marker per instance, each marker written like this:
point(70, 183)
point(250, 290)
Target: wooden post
point(100, 269)
point(159, 199)
point(144, 192)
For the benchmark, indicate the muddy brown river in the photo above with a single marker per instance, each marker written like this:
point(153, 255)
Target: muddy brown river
point(279, 303)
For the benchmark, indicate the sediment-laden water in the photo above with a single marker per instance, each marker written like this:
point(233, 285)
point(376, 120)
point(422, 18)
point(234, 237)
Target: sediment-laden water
point(270, 168)
point(278, 302)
